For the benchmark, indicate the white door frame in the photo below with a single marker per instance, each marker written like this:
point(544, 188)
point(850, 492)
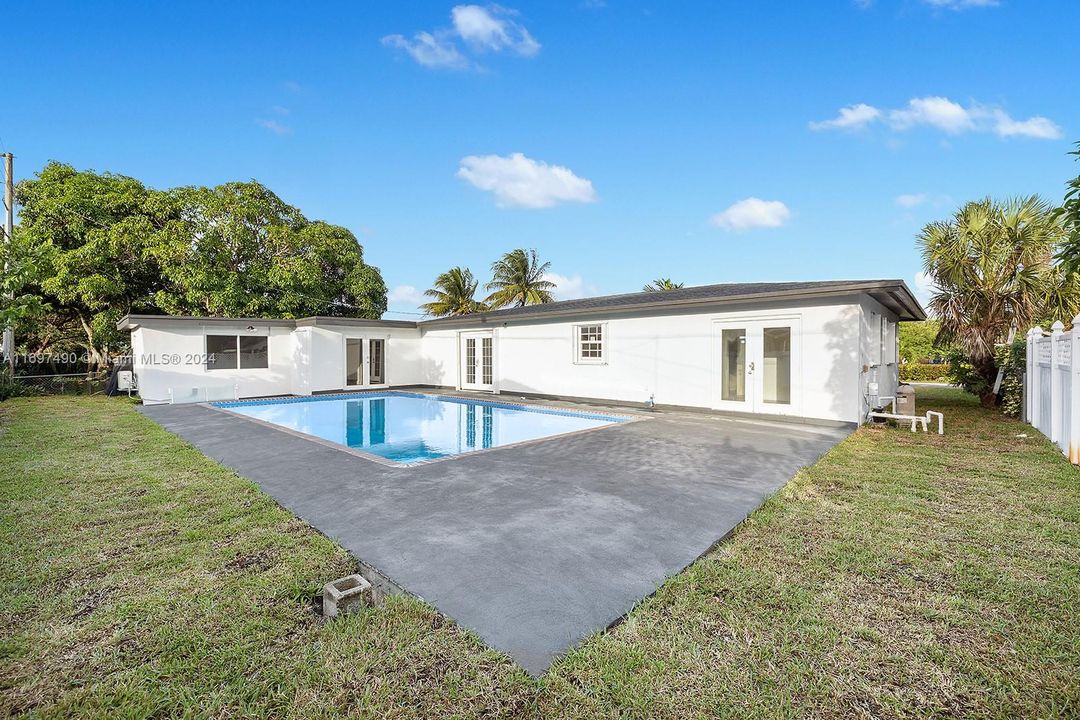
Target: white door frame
point(477, 336)
point(754, 382)
point(365, 362)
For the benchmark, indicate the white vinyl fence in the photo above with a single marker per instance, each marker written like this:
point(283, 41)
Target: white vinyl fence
point(1052, 386)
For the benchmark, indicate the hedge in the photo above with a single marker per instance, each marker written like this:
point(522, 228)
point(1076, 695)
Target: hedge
point(924, 372)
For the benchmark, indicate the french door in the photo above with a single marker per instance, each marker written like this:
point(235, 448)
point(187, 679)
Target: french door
point(365, 362)
point(759, 363)
point(477, 361)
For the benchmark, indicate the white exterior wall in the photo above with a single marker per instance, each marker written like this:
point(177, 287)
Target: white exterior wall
point(672, 357)
point(878, 362)
point(170, 356)
point(403, 361)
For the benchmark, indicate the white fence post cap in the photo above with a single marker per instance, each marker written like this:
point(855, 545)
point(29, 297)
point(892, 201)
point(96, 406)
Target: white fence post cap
point(1058, 327)
point(1076, 321)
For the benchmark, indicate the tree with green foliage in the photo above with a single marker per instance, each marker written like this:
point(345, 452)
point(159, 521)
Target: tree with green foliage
point(1069, 214)
point(240, 250)
point(90, 233)
point(518, 280)
point(992, 265)
point(661, 285)
point(19, 307)
point(103, 245)
point(454, 293)
point(917, 341)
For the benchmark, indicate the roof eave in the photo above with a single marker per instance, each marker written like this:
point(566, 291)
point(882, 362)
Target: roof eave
point(497, 316)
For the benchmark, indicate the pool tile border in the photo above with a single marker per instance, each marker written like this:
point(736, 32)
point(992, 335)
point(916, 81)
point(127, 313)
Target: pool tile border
point(617, 419)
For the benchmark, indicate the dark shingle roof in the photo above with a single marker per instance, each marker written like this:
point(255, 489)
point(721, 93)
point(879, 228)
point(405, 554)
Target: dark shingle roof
point(892, 293)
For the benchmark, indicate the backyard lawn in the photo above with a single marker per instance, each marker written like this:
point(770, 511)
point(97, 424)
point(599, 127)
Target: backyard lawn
point(902, 575)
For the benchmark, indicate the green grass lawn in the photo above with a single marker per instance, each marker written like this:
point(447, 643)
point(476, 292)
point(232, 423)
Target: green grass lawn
point(902, 575)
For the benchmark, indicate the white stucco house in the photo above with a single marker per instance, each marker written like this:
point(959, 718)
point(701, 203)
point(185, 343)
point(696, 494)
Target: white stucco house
point(820, 351)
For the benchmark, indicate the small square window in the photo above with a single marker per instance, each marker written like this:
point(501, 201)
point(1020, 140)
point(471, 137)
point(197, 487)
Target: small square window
point(590, 343)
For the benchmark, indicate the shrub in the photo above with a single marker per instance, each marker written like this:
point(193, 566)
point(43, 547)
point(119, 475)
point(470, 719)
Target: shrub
point(924, 372)
point(962, 373)
point(1013, 360)
point(13, 387)
point(1009, 358)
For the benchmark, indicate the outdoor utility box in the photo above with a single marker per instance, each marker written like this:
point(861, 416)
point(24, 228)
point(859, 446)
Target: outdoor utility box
point(346, 595)
point(905, 400)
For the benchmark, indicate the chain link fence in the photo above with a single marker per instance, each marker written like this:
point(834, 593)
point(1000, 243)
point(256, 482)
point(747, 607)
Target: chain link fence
point(63, 383)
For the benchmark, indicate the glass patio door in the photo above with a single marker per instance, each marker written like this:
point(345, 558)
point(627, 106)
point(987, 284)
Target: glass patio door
point(477, 361)
point(376, 362)
point(758, 365)
point(354, 362)
point(365, 371)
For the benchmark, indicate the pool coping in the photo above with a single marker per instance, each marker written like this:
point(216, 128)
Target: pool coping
point(626, 418)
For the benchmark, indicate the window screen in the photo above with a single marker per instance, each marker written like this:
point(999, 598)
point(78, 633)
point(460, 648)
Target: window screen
point(220, 352)
point(254, 352)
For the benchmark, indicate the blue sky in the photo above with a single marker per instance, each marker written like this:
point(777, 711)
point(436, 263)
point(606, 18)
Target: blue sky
point(705, 141)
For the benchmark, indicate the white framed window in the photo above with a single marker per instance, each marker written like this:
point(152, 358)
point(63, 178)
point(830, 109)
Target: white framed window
point(876, 339)
point(229, 352)
point(889, 352)
point(589, 342)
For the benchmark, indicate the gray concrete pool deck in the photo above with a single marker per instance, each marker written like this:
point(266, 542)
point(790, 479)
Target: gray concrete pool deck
point(533, 547)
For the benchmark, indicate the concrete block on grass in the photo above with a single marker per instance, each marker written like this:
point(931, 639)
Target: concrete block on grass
point(346, 595)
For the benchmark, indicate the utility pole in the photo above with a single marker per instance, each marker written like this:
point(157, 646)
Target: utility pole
point(9, 232)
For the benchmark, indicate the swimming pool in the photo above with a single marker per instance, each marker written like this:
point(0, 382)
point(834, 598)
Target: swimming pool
point(409, 428)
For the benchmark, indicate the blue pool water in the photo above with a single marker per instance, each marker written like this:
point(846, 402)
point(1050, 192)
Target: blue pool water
point(409, 427)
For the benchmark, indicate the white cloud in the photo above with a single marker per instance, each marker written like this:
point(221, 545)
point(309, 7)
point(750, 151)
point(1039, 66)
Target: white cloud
point(1035, 127)
point(911, 200)
point(493, 28)
point(405, 295)
point(569, 287)
point(519, 181)
point(490, 28)
point(851, 117)
point(429, 50)
point(924, 287)
point(961, 4)
point(938, 112)
point(274, 126)
point(943, 114)
point(752, 213)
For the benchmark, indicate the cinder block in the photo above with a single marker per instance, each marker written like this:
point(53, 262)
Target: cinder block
point(346, 595)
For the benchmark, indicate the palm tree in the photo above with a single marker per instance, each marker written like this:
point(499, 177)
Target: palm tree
point(993, 273)
point(662, 284)
point(518, 279)
point(454, 294)
point(1069, 212)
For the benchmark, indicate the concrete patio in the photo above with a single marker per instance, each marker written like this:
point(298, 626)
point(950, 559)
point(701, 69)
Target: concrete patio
point(533, 547)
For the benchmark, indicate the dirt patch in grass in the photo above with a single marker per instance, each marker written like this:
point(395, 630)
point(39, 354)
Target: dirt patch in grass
point(255, 561)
